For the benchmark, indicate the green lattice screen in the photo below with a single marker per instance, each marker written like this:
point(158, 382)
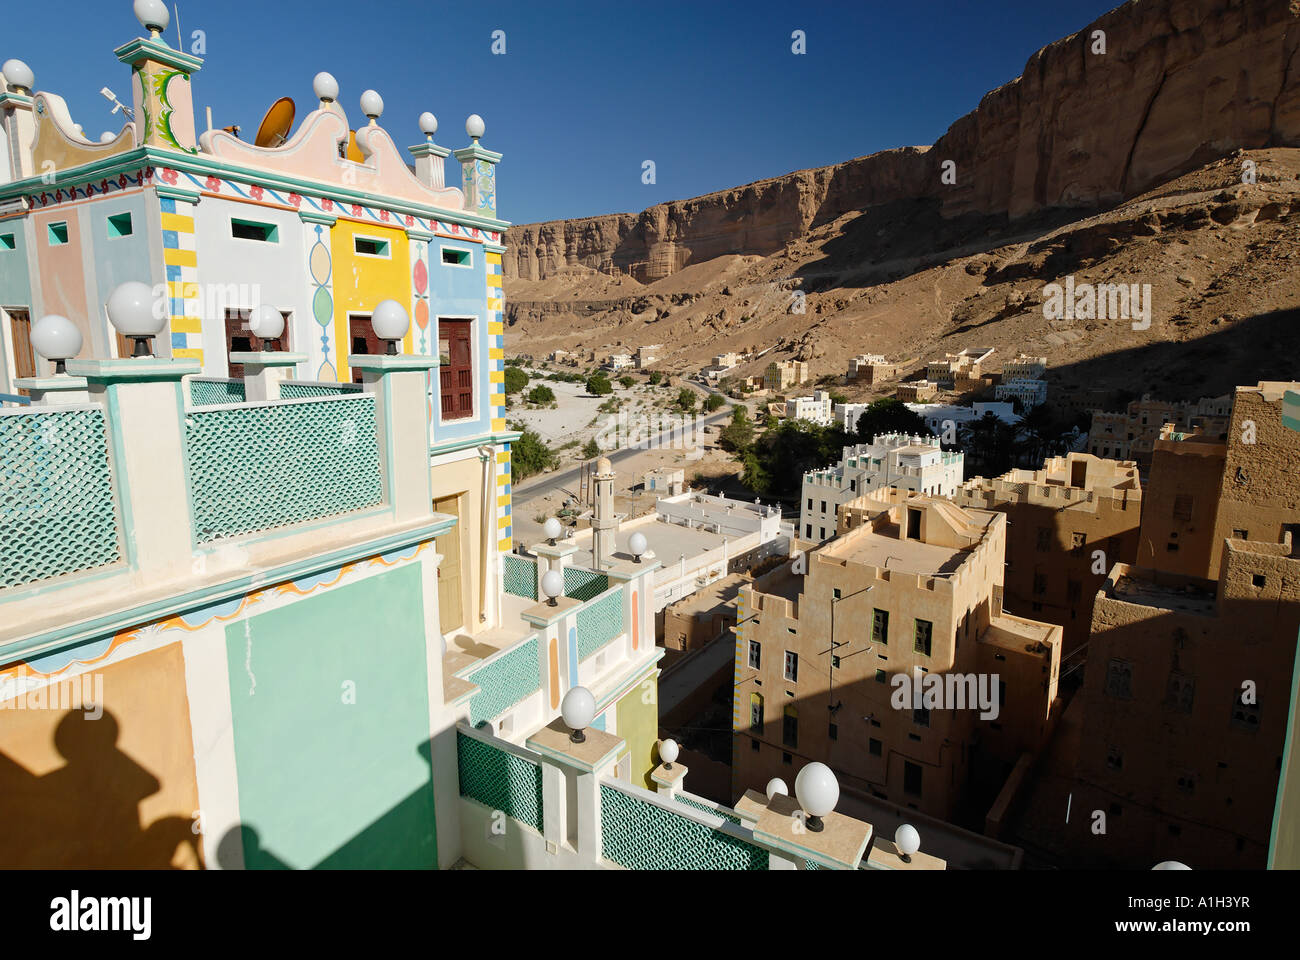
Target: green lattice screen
point(269, 465)
point(584, 584)
point(504, 682)
point(293, 390)
point(520, 576)
point(206, 392)
point(716, 811)
point(500, 780)
point(599, 623)
point(642, 836)
point(57, 509)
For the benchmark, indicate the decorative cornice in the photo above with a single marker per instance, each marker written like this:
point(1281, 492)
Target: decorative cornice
point(134, 51)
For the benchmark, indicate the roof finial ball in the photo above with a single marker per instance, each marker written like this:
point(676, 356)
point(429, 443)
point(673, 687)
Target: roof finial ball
point(474, 126)
point(153, 16)
point(428, 125)
point(18, 76)
point(325, 87)
point(56, 338)
point(372, 105)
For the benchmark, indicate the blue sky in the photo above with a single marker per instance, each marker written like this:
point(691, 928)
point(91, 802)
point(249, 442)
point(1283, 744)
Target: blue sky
point(585, 92)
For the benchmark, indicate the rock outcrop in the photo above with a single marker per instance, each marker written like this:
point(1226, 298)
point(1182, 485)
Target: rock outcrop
point(1180, 83)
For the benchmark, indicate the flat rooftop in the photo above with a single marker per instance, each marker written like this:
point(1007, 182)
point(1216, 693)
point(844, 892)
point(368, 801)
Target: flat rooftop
point(1013, 632)
point(907, 556)
point(668, 542)
point(1185, 598)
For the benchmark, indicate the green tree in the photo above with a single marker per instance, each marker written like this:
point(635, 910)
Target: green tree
point(529, 455)
point(686, 399)
point(627, 381)
point(654, 378)
point(591, 450)
point(598, 385)
point(889, 415)
point(737, 436)
point(540, 394)
point(713, 401)
point(516, 379)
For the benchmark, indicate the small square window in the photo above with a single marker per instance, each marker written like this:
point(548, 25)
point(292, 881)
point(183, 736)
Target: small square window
point(834, 732)
point(370, 247)
point(1240, 535)
point(881, 677)
point(1257, 580)
point(7, 242)
point(787, 759)
point(456, 257)
point(875, 747)
point(836, 593)
point(252, 230)
point(57, 233)
point(753, 745)
point(119, 225)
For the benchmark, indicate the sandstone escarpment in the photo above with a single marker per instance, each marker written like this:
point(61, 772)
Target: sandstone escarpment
point(1181, 82)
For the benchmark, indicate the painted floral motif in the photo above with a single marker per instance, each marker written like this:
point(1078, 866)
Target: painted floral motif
point(255, 192)
point(295, 199)
point(213, 184)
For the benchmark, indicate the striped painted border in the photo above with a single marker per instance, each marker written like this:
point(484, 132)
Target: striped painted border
point(180, 264)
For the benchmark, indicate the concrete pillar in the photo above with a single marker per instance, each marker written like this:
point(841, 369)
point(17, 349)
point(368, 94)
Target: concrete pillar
point(55, 390)
point(402, 415)
point(143, 407)
point(264, 371)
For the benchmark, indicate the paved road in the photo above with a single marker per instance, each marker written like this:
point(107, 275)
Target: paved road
point(545, 483)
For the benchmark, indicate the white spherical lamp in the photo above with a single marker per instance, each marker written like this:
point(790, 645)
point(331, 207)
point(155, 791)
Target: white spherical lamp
point(552, 586)
point(908, 841)
point(56, 338)
point(474, 126)
point(325, 87)
point(390, 321)
point(776, 786)
point(578, 708)
point(817, 791)
point(136, 313)
point(428, 125)
point(552, 529)
point(18, 76)
point(668, 752)
point(372, 105)
point(637, 544)
point(153, 15)
point(267, 323)
point(1170, 865)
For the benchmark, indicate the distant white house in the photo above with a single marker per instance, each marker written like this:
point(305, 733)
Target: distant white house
point(815, 409)
point(1030, 393)
point(898, 460)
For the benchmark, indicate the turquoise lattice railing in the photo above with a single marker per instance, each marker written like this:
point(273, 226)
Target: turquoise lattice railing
point(263, 466)
point(207, 392)
point(641, 835)
point(584, 584)
point(599, 623)
point(58, 514)
point(520, 575)
point(500, 780)
point(717, 811)
point(504, 682)
point(295, 390)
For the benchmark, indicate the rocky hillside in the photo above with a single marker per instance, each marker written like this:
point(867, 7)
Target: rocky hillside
point(1181, 82)
point(1122, 168)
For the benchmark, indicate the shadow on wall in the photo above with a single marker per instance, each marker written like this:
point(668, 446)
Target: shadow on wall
point(86, 813)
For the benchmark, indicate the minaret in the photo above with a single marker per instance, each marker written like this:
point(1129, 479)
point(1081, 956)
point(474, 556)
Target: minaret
point(603, 523)
point(478, 174)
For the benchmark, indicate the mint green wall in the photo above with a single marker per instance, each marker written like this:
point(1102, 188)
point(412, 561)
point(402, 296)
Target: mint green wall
point(324, 783)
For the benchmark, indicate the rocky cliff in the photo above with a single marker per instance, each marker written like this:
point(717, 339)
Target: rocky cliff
point(1180, 83)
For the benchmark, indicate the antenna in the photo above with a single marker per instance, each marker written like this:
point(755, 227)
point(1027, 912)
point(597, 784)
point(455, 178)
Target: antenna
point(180, 44)
point(111, 97)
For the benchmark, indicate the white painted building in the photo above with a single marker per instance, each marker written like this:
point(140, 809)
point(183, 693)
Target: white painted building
point(846, 415)
point(940, 418)
point(619, 361)
point(896, 460)
point(1030, 393)
point(815, 409)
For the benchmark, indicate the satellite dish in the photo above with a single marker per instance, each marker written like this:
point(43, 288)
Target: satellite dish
point(354, 152)
point(274, 128)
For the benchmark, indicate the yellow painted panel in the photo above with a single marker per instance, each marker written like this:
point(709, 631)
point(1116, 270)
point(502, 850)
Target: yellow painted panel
point(496, 353)
point(494, 280)
point(499, 423)
point(503, 456)
point(178, 221)
point(187, 325)
point(496, 303)
point(493, 257)
point(497, 327)
point(497, 376)
point(505, 545)
point(503, 479)
point(503, 522)
point(188, 353)
point(361, 282)
point(181, 258)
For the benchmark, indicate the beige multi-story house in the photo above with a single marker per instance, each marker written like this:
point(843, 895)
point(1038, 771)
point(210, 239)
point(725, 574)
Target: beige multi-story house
point(911, 589)
point(1192, 650)
point(783, 374)
point(1024, 367)
point(916, 391)
point(873, 368)
point(969, 362)
point(1070, 522)
point(647, 355)
point(1131, 435)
